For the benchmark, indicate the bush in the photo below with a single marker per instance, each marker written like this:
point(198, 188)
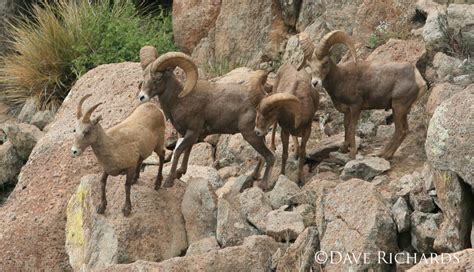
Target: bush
point(65, 39)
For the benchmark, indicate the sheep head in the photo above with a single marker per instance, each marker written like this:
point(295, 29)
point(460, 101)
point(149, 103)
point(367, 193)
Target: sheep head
point(157, 68)
point(317, 58)
point(85, 132)
point(270, 107)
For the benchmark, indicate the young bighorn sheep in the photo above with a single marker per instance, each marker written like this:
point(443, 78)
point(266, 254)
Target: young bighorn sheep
point(292, 105)
point(200, 107)
point(121, 149)
point(361, 85)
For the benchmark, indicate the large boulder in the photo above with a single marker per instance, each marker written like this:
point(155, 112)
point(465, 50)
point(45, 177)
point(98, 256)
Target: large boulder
point(461, 21)
point(155, 230)
point(357, 220)
point(255, 254)
point(456, 201)
point(440, 93)
point(425, 227)
point(448, 142)
point(192, 21)
point(23, 137)
point(434, 30)
point(10, 163)
point(199, 208)
point(300, 255)
point(399, 50)
point(245, 34)
point(51, 175)
point(365, 168)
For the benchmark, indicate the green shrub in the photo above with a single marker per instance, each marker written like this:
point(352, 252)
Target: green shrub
point(65, 39)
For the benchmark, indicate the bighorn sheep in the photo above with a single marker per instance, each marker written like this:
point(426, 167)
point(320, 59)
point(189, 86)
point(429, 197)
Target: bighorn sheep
point(200, 107)
point(361, 85)
point(292, 105)
point(122, 148)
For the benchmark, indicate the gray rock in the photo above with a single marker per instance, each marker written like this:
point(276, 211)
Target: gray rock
point(435, 31)
point(424, 228)
point(255, 206)
point(307, 212)
point(341, 158)
point(254, 254)
point(449, 132)
point(300, 255)
point(327, 146)
point(366, 129)
point(154, 231)
point(385, 132)
point(365, 168)
point(42, 118)
point(456, 202)
point(401, 215)
point(197, 171)
point(199, 208)
point(23, 137)
point(290, 10)
point(357, 220)
point(27, 111)
point(427, 175)
point(284, 225)
point(282, 192)
point(232, 225)
point(446, 65)
point(421, 201)
point(10, 163)
point(202, 246)
point(460, 20)
point(407, 184)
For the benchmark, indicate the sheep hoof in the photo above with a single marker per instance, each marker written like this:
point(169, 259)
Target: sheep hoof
point(101, 208)
point(344, 148)
point(126, 210)
point(168, 183)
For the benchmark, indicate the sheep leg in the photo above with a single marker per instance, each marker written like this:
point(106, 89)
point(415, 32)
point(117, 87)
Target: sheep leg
point(103, 198)
point(302, 155)
point(159, 176)
point(189, 139)
point(272, 144)
point(127, 207)
point(296, 145)
point(354, 117)
point(137, 171)
point(258, 143)
point(258, 168)
point(400, 113)
point(285, 140)
point(184, 164)
point(345, 146)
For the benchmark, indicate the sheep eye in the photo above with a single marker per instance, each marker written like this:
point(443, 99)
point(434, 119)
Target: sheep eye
point(74, 130)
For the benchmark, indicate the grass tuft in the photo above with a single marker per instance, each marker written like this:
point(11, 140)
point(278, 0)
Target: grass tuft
point(60, 41)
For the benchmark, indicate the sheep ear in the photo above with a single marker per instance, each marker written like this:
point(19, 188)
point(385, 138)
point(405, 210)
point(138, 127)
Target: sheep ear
point(96, 120)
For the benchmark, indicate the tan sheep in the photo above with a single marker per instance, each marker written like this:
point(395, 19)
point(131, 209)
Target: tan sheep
point(121, 149)
point(362, 85)
point(292, 105)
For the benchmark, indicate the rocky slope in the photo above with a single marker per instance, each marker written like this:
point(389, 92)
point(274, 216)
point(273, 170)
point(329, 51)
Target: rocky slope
point(420, 202)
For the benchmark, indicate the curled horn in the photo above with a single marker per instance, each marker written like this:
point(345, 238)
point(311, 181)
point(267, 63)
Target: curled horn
point(87, 116)
point(332, 38)
point(307, 46)
point(79, 106)
point(147, 55)
point(282, 100)
point(173, 59)
point(257, 81)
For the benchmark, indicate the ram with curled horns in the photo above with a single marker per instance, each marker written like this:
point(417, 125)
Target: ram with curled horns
point(362, 85)
point(200, 107)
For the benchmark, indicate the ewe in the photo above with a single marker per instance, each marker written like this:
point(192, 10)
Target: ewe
point(121, 149)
